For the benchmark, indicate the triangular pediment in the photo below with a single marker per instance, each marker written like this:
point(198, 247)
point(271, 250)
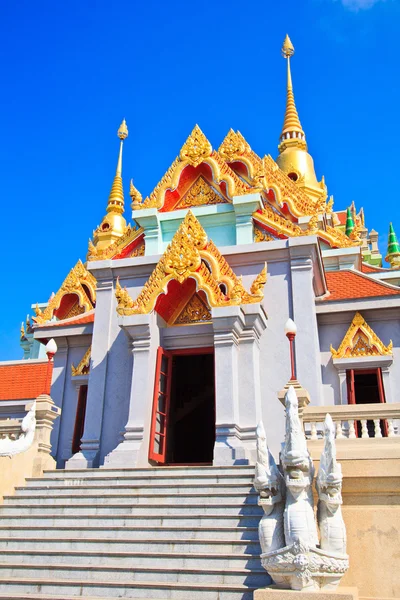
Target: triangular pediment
point(191, 255)
point(200, 194)
point(360, 340)
point(195, 311)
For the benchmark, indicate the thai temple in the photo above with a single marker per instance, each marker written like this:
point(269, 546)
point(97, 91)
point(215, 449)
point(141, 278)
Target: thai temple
point(182, 329)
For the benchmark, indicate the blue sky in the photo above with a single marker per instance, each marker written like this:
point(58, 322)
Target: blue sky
point(70, 71)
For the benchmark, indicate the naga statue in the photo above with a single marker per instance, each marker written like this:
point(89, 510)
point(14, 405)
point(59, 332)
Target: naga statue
point(10, 447)
point(329, 487)
point(291, 552)
point(268, 482)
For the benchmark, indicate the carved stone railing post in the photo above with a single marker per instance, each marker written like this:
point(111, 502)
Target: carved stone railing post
point(46, 413)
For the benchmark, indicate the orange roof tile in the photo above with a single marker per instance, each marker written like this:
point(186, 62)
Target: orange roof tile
point(78, 320)
point(347, 285)
point(24, 381)
point(365, 268)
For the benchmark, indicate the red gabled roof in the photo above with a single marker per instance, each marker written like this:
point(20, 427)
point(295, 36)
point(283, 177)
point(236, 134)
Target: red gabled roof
point(348, 285)
point(78, 320)
point(25, 381)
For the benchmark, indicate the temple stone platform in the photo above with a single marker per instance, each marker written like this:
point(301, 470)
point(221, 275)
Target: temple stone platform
point(274, 593)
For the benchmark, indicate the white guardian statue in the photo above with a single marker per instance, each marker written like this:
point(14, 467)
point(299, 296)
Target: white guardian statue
point(9, 447)
point(291, 552)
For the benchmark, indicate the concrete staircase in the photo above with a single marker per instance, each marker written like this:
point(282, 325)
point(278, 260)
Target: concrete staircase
point(171, 532)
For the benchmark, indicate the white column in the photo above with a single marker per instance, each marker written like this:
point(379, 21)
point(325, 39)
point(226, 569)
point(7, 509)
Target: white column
point(250, 408)
point(244, 207)
point(228, 323)
point(143, 333)
point(57, 389)
point(89, 454)
point(343, 386)
point(308, 354)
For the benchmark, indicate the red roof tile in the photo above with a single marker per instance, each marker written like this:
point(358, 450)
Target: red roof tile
point(24, 381)
point(78, 320)
point(347, 285)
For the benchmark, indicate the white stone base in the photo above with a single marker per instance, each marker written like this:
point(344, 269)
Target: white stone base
point(234, 446)
point(275, 593)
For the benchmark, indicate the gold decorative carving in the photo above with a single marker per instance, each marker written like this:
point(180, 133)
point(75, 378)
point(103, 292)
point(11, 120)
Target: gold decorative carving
point(278, 222)
point(136, 196)
point(131, 234)
point(195, 311)
point(187, 256)
point(199, 194)
point(232, 146)
point(196, 148)
point(74, 311)
point(257, 287)
point(262, 236)
point(360, 340)
point(84, 365)
point(79, 282)
point(138, 251)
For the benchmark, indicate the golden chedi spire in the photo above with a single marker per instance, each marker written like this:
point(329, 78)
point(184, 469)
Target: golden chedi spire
point(113, 225)
point(293, 157)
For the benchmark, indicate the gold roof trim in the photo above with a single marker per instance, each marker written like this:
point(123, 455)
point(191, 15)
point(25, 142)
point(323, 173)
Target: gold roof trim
point(235, 147)
point(190, 254)
point(131, 234)
point(83, 365)
point(196, 150)
point(279, 223)
point(78, 277)
point(360, 340)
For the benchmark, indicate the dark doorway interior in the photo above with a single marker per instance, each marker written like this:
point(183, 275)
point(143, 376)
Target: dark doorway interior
point(368, 391)
point(79, 419)
point(191, 425)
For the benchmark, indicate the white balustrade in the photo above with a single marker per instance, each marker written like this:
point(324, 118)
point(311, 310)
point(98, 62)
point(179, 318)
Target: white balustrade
point(354, 420)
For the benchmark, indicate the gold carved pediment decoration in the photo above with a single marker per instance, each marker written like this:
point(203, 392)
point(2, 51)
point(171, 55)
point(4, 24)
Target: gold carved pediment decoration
point(196, 311)
point(200, 194)
point(83, 367)
point(196, 148)
point(80, 282)
point(191, 254)
point(360, 340)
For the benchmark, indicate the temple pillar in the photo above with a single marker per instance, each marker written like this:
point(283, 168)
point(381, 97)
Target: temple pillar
point(143, 334)
point(58, 388)
point(230, 448)
point(148, 219)
point(88, 456)
point(244, 207)
point(307, 350)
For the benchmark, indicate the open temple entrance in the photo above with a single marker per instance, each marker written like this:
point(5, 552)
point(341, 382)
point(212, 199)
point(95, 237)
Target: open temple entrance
point(366, 387)
point(183, 420)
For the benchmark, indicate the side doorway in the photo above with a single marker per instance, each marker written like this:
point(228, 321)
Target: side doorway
point(365, 386)
point(183, 418)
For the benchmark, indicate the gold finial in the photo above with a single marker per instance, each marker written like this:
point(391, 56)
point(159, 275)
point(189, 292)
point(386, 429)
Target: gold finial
point(292, 131)
point(135, 195)
point(196, 148)
point(287, 48)
point(123, 131)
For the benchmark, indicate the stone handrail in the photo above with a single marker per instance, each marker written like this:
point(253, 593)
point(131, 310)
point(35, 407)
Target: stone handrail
point(10, 428)
point(345, 415)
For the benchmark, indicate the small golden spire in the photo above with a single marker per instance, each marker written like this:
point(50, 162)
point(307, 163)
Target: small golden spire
point(292, 129)
point(135, 195)
point(113, 224)
point(116, 197)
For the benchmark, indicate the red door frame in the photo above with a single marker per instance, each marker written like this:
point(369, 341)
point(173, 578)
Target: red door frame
point(79, 419)
point(160, 457)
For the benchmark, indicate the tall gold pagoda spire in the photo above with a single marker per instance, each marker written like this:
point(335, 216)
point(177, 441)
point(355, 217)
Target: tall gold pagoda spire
point(113, 225)
point(293, 157)
point(292, 129)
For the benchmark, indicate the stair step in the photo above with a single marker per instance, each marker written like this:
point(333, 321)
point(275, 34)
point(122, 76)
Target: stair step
point(127, 520)
point(138, 509)
point(140, 589)
point(105, 544)
point(133, 560)
point(154, 488)
point(126, 532)
point(144, 479)
point(174, 472)
point(254, 577)
point(79, 498)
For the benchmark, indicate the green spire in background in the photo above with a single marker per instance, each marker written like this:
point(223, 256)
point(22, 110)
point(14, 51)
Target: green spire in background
point(393, 251)
point(349, 222)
